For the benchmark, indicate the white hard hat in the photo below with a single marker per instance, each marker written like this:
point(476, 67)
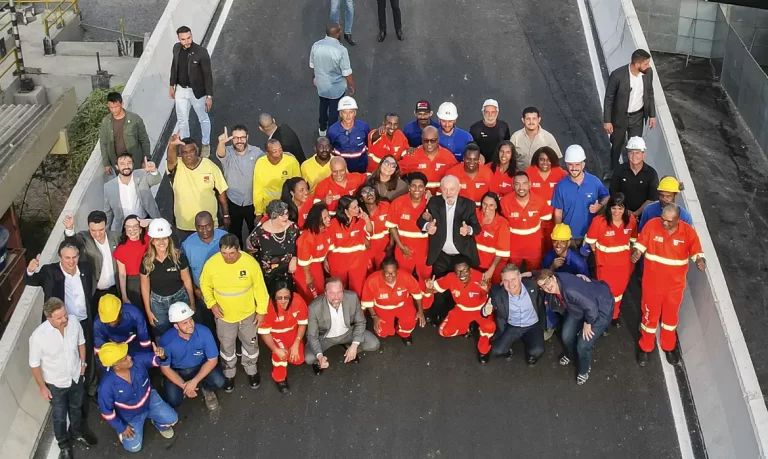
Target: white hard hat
point(448, 111)
point(575, 154)
point(179, 311)
point(347, 103)
point(491, 102)
point(636, 144)
point(158, 228)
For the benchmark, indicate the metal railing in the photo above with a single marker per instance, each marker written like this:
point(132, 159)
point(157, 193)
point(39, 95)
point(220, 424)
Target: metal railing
point(11, 59)
point(56, 10)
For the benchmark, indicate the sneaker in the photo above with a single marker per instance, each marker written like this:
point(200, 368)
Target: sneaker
point(548, 333)
point(205, 152)
point(211, 400)
point(167, 433)
point(581, 379)
point(564, 360)
point(322, 132)
point(510, 355)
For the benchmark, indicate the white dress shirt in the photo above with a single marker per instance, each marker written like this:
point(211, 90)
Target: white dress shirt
point(57, 355)
point(449, 247)
point(107, 276)
point(74, 295)
point(129, 198)
point(338, 327)
point(635, 92)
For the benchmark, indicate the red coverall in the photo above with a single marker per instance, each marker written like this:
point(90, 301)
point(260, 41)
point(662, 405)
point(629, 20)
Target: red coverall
point(472, 188)
point(402, 215)
point(328, 186)
point(492, 241)
point(501, 183)
point(612, 254)
point(311, 250)
point(380, 235)
point(347, 259)
point(392, 303)
point(666, 265)
point(469, 300)
point(435, 169)
point(545, 188)
point(397, 146)
point(283, 325)
point(525, 229)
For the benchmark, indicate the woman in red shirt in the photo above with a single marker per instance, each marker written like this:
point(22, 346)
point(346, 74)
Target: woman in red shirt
point(493, 239)
point(381, 244)
point(283, 330)
point(296, 194)
point(543, 174)
point(128, 255)
point(312, 248)
point(349, 230)
point(503, 168)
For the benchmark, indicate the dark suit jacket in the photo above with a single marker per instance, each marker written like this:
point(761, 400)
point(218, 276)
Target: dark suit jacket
point(199, 67)
point(289, 141)
point(51, 278)
point(500, 300)
point(320, 320)
point(465, 212)
point(92, 254)
point(617, 97)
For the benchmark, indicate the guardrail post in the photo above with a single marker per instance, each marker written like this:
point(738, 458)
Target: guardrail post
point(26, 83)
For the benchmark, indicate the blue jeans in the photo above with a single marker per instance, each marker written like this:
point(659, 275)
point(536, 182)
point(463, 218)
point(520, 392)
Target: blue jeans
point(173, 393)
point(576, 347)
point(160, 413)
point(532, 336)
point(65, 403)
point(159, 306)
point(349, 13)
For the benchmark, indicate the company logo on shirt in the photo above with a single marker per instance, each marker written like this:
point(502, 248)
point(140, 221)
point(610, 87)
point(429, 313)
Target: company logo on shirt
point(243, 273)
point(279, 318)
point(456, 293)
point(405, 217)
point(206, 178)
point(382, 217)
point(515, 215)
point(284, 173)
point(197, 353)
point(339, 235)
point(353, 233)
point(439, 165)
point(463, 186)
point(473, 294)
point(422, 166)
point(479, 185)
point(487, 234)
point(321, 247)
point(171, 269)
point(531, 213)
point(384, 296)
point(675, 242)
point(658, 239)
point(589, 195)
point(535, 185)
point(627, 230)
point(610, 233)
point(400, 292)
point(505, 184)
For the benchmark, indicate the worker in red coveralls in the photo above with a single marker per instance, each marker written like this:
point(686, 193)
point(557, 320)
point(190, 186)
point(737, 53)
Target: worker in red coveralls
point(349, 232)
point(411, 245)
point(340, 183)
point(493, 239)
point(283, 330)
point(469, 292)
point(543, 174)
point(502, 167)
point(381, 245)
point(667, 243)
point(474, 180)
point(430, 159)
point(610, 235)
point(388, 139)
point(389, 296)
point(525, 213)
point(312, 248)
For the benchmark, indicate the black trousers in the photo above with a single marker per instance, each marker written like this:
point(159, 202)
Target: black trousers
point(443, 301)
point(239, 215)
point(396, 15)
point(623, 131)
point(329, 112)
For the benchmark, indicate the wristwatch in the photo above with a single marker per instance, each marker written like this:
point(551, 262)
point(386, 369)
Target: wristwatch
point(83, 364)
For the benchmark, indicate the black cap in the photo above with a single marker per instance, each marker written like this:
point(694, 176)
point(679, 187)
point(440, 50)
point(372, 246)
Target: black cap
point(423, 106)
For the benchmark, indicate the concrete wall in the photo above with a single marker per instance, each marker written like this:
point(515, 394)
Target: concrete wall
point(728, 399)
point(678, 26)
point(751, 25)
point(23, 411)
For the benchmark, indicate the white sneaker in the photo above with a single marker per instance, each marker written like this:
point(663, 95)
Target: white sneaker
point(168, 433)
point(564, 360)
point(322, 133)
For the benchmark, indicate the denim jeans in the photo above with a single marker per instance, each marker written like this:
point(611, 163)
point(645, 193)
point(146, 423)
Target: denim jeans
point(173, 393)
point(349, 13)
point(65, 403)
point(186, 100)
point(576, 347)
point(329, 112)
point(160, 413)
point(159, 306)
point(532, 336)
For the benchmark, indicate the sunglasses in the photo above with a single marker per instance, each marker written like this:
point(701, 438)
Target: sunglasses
point(367, 191)
point(283, 298)
point(429, 140)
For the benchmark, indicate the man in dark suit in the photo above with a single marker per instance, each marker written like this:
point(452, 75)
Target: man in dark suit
point(284, 134)
point(629, 102)
point(336, 318)
point(519, 315)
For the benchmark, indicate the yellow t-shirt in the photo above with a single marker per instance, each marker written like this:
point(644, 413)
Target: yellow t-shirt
point(193, 192)
point(314, 173)
point(237, 288)
point(268, 180)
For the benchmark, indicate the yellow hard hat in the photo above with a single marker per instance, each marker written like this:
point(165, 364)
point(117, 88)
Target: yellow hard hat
point(561, 232)
point(111, 353)
point(669, 184)
point(109, 308)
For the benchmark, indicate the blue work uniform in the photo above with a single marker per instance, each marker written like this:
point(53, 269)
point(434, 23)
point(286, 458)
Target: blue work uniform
point(351, 145)
point(574, 200)
point(132, 330)
point(653, 210)
point(181, 353)
point(574, 262)
point(413, 131)
point(456, 142)
point(198, 252)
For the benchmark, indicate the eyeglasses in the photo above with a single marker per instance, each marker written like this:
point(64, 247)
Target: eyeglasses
point(429, 140)
point(367, 191)
point(240, 138)
point(283, 298)
point(389, 163)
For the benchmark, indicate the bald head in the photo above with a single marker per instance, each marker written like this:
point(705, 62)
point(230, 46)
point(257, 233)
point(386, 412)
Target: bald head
point(671, 210)
point(338, 162)
point(266, 121)
point(338, 169)
point(333, 30)
point(429, 130)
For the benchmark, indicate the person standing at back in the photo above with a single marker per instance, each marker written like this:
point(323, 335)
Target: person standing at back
point(396, 16)
point(331, 74)
point(283, 134)
point(122, 132)
point(490, 131)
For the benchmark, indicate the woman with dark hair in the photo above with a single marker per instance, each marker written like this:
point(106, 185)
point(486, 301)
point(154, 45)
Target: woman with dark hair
point(503, 168)
point(349, 244)
point(610, 235)
point(273, 242)
point(377, 210)
point(312, 248)
point(283, 330)
point(493, 239)
point(128, 255)
point(296, 194)
point(543, 174)
point(386, 179)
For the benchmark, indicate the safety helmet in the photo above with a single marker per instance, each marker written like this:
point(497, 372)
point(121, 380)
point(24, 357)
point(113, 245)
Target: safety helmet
point(109, 308)
point(179, 311)
point(159, 228)
point(669, 184)
point(448, 111)
point(111, 353)
point(561, 232)
point(347, 103)
point(636, 144)
point(490, 102)
point(575, 154)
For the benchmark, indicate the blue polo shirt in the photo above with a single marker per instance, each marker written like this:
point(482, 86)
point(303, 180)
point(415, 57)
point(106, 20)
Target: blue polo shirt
point(574, 262)
point(412, 132)
point(574, 200)
point(198, 252)
point(456, 142)
point(351, 145)
point(653, 210)
point(182, 354)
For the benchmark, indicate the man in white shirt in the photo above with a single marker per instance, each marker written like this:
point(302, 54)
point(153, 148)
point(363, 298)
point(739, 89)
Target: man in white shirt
point(532, 137)
point(129, 193)
point(57, 359)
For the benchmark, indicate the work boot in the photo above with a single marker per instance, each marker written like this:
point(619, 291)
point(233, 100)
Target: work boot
point(87, 439)
point(283, 387)
point(400, 35)
point(616, 323)
point(407, 340)
point(510, 355)
point(254, 380)
point(211, 400)
point(642, 357)
point(229, 385)
point(548, 333)
point(350, 40)
point(205, 152)
point(66, 453)
point(316, 368)
point(673, 356)
point(167, 433)
point(484, 358)
point(382, 35)
point(532, 361)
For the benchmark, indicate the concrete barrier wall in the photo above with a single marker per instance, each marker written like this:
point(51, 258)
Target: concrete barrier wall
point(726, 393)
point(146, 93)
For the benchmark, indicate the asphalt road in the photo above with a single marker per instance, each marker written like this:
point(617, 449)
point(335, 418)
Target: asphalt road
point(433, 399)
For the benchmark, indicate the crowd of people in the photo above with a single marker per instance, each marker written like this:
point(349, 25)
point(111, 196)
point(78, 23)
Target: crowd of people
point(480, 232)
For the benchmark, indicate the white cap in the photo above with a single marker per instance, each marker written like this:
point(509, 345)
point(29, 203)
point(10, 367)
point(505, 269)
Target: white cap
point(636, 144)
point(347, 103)
point(491, 102)
point(575, 154)
point(179, 311)
point(448, 111)
point(159, 228)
